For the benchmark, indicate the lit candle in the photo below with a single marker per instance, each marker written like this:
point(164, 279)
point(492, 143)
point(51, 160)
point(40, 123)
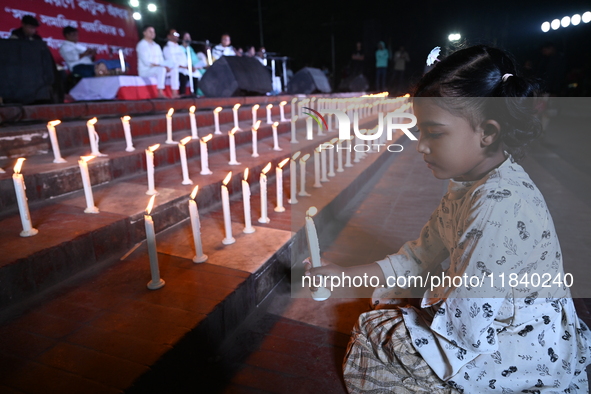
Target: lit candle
point(263, 187)
point(183, 154)
point(93, 137)
point(255, 128)
point(282, 111)
point(254, 114)
point(196, 227)
point(275, 138)
point(312, 100)
point(83, 164)
point(226, 208)
point(320, 133)
point(235, 113)
point(279, 185)
point(127, 133)
point(233, 161)
point(21, 199)
point(150, 168)
point(323, 166)
point(331, 157)
point(329, 116)
point(339, 148)
point(204, 155)
point(317, 183)
point(121, 61)
point(156, 281)
point(309, 129)
point(169, 127)
point(216, 120)
point(303, 161)
point(349, 149)
point(269, 120)
point(321, 293)
point(248, 229)
point(57, 156)
point(193, 122)
point(293, 106)
point(294, 118)
point(357, 155)
point(292, 179)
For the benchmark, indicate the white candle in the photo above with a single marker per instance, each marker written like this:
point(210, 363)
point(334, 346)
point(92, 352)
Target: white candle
point(309, 129)
point(312, 100)
point(303, 161)
point(294, 118)
point(282, 111)
point(156, 281)
point(190, 70)
point(292, 179)
point(321, 293)
point(216, 120)
point(339, 147)
point(275, 137)
point(93, 137)
point(255, 128)
point(254, 114)
point(204, 155)
point(233, 161)
point(150, 168)
point(329, 116)
point(127, 133)
point(357, 154)
point(169, 127)
point(209, 58)
point(263, 187)
point(279, 185)
point(194, 133)
point(320, 133)
point(293, 106)
point(184, 167)
point(83, 164)
point(121, 61)
point(349, 149)
point(269, 120)
point(235, 113)
point(333, 142)
point(57, 155)
point(226, 208)
point(323, 160)
point(248, 229)
point(196, 227)
point(317, 183)
point(21, 199)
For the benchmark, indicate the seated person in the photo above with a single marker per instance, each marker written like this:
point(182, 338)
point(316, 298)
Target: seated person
point(223, 49)
point(175, 56)
point(198, 62)
point(250, 51)
point(28, 29)
point(150, 59)
point(77, 56)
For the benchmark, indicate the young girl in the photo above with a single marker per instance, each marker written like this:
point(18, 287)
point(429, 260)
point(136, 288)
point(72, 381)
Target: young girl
point(506, 333)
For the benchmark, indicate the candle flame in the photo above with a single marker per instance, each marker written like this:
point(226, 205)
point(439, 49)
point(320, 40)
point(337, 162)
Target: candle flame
point(194, 192)
point(317, 150)
point(54, 122)
point(192, 109)
point(18, 165)
point(218, 109)
point(256, 125)
point(234, 130)
point(296, 155)
point(153, 147)
point(334, 140)
point(185, 140)
point(255, 107)
point(246, 174)
point(207, 138)
point(126, 118)
point(280, 165)
point(236, 106)
point(293, 100)
point(305, 157)
point(275, 124)
point(150, 205)
point(311, 211)
point(406, 95)
point(92, 121)
point(227, 178)
point(86, 159)
point(283, 103)
point(267, 168)
point(270, 106)
point(170, 112)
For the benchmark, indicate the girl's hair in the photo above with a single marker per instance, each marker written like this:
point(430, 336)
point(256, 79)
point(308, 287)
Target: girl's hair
point(476, 87)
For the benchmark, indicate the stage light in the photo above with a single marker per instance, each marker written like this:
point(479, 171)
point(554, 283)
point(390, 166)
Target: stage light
point(454, 37)
point(575, 20)
point(152, 7)
point(137, 16)
point(564, 22)
point(134, 3)
point(545, 27)
point(587, 17)
point(555, 24)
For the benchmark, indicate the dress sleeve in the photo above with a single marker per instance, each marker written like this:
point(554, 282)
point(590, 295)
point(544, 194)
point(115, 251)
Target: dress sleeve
point(69, 53)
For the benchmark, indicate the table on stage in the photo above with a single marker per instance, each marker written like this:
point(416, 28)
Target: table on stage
point(121, 87)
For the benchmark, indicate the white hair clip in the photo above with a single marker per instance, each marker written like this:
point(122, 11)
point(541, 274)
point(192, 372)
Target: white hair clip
point(432, 58)
point(505, 77)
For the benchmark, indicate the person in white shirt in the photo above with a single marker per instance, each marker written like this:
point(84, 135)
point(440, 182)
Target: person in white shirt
point(175, 56)
point(78, 58)
point(151, 61)
point(223, 49)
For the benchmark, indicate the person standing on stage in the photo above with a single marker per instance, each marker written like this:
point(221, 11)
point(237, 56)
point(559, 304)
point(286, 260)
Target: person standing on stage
point(223, 48)
point(28, 29)
point(150, 59)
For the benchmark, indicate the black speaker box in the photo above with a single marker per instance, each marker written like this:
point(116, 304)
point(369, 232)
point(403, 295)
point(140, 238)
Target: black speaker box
point(236, 76)
point(308, 80)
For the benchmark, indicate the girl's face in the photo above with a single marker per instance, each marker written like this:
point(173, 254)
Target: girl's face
point(451, 147)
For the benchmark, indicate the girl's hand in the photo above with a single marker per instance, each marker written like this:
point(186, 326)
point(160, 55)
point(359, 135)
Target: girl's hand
point(327, 269)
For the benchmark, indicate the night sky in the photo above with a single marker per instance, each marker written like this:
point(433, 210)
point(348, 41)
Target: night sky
point(302, 29)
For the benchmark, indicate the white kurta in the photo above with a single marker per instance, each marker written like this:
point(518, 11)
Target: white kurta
point(71, 52)
point(494, 338)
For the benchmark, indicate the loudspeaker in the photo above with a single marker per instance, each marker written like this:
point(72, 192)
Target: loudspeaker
point(308, 80)
point(27, 70)
point(236, 76)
